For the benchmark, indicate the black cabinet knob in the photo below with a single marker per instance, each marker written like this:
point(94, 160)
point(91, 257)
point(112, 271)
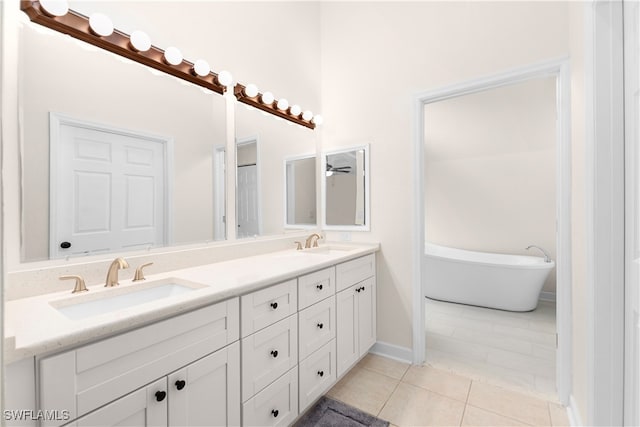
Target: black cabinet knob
point(320, 325)
point(274, 353)
point(180, 384)
point(65, 245)
point(160, 395)
point(357, 289)
point(321, 373)
point(319, 286)
point(275, 413)
point(362, 288)
point(274, 305)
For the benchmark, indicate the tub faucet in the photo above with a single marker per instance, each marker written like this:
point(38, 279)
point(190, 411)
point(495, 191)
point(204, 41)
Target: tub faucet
point(112, 273)
point(547, 258)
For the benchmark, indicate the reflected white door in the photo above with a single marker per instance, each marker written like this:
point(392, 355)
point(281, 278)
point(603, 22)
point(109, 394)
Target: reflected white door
point(107, 191)
point(248, 210)
point(632, 215)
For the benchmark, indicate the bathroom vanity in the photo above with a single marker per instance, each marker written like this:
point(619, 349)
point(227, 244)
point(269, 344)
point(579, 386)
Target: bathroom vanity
point(253, 341)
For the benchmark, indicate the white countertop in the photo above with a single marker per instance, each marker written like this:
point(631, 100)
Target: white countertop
point(33, 326)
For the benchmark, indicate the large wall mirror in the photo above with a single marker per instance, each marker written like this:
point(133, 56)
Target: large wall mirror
point(113, 163)
point(345, 188)
point(300, 191)
point(263, 142)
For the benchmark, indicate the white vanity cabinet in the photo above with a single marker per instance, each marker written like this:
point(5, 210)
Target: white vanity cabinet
point(355, 310)
point(86, 378)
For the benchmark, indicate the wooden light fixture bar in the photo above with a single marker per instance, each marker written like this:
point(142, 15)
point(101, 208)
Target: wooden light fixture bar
point(77, 25)
point(272, 108)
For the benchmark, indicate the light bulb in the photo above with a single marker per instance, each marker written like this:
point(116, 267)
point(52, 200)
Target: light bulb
point(173, 56)
point(318, 119)
point(295, 110)
point(101, 24)
point(201, 67)
point(267, 98)
point(140, 41)
point(283, 104)
point(251, 90)
point(307, 115)
point(55, 7)
point(225, 78)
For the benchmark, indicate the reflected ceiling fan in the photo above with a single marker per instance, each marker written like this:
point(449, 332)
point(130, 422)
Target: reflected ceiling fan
point(337, 169)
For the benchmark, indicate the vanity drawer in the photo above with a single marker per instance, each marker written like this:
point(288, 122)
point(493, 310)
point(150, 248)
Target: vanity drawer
point(276, 405)
point(317, 326)
point(351, 272)
point(316, 286)
point(88, 377)
point(264, 307)
point(267, 354)
point(317, 374)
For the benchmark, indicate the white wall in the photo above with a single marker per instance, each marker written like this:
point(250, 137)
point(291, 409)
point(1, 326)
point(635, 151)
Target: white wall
point(490, 170)
point(375, 57)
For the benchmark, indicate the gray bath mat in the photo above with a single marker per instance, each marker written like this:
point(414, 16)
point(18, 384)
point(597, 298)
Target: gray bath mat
point(331, 413)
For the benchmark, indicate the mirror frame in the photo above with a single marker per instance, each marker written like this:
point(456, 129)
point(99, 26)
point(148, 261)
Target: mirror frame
point(288, 226)
point(367, 190)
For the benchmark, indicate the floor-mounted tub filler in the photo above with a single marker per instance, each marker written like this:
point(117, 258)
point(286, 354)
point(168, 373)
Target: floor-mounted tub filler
point(506, 282)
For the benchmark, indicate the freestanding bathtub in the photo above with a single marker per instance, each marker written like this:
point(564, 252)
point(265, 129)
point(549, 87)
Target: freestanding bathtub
point(505, 282)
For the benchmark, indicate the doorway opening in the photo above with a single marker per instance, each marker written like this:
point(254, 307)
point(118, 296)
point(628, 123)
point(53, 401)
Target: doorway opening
point(443, 167)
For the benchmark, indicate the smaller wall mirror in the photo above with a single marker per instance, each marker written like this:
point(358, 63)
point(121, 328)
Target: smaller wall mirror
point(345, 188)
point(300, 188)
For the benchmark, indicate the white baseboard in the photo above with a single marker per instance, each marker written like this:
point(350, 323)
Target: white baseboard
point(392, 351)
point(547, 296)
point(573, 413)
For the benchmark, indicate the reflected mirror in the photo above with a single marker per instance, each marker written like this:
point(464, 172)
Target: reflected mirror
point(263, 142)
point(346, 189)
point(300, 190)
point(110, 160)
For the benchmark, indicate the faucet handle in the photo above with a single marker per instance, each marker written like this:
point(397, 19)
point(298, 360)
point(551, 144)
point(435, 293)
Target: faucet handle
point(315, 242)
point(79, 286)
point(139, 275)
point(298, 245)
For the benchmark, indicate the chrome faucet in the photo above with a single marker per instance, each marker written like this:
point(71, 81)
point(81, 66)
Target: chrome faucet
point(112, 273)
point(547, 258)
point(312, 240)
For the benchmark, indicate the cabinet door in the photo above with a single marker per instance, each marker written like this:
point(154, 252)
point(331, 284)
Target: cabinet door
point(144, 407)
point(348, 349)
point(366, 291)
point(207, 392)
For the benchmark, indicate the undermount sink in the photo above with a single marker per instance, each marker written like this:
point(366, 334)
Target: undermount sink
point(330, 249)
point(111, 300)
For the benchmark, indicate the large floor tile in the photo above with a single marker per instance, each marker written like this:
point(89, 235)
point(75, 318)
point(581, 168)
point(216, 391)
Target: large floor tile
point(479, 417)
point(558, 414)
point(365, 389)
point(383, 365)
point(510, 404)
point(439, 381)
point(414, 406)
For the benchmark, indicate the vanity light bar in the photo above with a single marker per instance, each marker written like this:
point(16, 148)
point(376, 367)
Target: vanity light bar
point(271, 107)
point(77, 25)
point(56, 15)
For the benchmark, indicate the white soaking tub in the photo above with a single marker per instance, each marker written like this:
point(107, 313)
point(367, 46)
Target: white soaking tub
point(505, 282)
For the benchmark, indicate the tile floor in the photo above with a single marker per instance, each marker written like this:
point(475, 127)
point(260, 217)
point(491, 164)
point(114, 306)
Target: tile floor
point(512, 350)
point(407, 395)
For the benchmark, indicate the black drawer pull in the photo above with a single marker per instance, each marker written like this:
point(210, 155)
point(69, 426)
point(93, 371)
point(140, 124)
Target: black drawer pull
point(275, 413)
point(320, 325)
point(319, 286)
point(160, 395)
point(274, 353)
point(321, 373)
point(180, 384)
point(274, 305)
